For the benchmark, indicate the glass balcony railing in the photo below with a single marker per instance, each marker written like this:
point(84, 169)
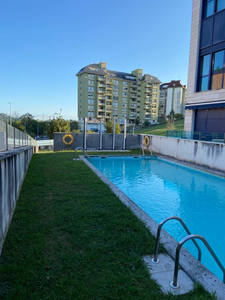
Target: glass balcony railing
point(196, 135)
point(11, 137)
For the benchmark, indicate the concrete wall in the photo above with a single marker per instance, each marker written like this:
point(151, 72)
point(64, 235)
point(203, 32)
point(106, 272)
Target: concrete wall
point(13, 167)
point(207, 154)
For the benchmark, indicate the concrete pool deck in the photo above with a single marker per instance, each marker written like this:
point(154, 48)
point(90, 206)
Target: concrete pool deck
point(190, 265)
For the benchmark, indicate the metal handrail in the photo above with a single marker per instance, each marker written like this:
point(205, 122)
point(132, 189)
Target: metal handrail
point(155, 259)
point(80, 148)
point(174, 283)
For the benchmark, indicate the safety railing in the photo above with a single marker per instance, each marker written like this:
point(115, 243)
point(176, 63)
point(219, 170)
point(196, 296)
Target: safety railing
point(174, 284)
point(155, 259)
point(80, 148)
point(196, 135)
point(11, 137)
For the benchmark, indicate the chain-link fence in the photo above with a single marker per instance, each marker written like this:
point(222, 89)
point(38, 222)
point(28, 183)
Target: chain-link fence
point(11, 137)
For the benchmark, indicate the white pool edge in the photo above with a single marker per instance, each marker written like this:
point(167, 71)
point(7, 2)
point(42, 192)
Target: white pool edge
point(192, 267)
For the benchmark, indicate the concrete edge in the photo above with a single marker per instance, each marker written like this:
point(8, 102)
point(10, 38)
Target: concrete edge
point(192, 267)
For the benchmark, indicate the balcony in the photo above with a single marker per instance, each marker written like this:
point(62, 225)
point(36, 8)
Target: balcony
point(101, 78)
point(101, 91)
point(101, 85)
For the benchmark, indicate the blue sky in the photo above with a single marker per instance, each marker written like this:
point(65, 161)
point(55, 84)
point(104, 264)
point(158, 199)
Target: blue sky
point(44, 43)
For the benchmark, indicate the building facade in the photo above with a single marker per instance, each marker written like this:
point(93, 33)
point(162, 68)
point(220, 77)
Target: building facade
point(172, 97)
point(205, 105)
point(110, 94)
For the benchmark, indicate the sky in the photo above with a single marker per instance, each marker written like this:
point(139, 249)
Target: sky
point(44, 43)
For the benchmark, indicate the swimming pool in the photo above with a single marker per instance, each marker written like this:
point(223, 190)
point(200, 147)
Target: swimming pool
point(163, 188)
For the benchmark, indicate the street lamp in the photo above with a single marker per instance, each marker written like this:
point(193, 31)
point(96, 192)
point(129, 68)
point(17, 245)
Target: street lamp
point(10, 114)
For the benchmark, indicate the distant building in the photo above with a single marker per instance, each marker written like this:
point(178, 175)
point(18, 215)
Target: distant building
point(110, 94)
point(205, 105)
point(172, 97)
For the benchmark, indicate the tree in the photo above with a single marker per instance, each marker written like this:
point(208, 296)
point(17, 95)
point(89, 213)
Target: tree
point(137, 121)
point(74, 125)
point(109, 127)
point(18, 125)
point(170, 121)
point(57, 124)
point(146, 123)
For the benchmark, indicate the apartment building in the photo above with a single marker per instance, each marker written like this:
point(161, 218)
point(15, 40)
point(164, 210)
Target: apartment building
point(205, 105)
point(172, 97)
point(107, 94)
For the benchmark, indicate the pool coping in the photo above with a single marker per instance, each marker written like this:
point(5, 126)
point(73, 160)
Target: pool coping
point(199, 273)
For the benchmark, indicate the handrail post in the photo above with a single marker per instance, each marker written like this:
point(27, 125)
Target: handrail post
point(174, 284)
point(155, 259)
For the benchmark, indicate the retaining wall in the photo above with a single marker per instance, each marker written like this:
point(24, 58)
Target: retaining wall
point(206, 154)
point(13, 167)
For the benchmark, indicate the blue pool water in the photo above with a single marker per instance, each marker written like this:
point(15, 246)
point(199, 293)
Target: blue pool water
point(162, 189)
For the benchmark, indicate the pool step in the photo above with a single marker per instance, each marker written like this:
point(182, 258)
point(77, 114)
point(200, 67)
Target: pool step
point(163, 274)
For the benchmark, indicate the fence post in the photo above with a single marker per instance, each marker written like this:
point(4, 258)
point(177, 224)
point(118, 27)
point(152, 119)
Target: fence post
point(124, 134)
point(100, 135)
point(14, 134)
point(85, 134)
point(113, 145)
point(6, 134)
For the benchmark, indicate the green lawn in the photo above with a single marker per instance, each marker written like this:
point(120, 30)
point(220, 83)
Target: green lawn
point(71, 238)
point(161, 129)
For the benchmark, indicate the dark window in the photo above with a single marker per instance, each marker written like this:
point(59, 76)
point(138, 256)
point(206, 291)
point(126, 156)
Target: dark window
point(220, 5)
point(208, 9)
point(219, 27)
point(207, 30)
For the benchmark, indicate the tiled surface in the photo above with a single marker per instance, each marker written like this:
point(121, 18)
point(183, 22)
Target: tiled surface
point(163, 273)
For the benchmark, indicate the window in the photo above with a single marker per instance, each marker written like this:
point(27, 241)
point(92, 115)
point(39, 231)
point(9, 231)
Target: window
point(115, 93)
point(204, 73)
point(91, 75)
point(124, 94)
point(208, 8)
point(91, 88)
point(115, 87)
point(91, 82)
point(115, 98)
point(125, 83)
point(218, 70)
point(220, 5)
point(115, 81)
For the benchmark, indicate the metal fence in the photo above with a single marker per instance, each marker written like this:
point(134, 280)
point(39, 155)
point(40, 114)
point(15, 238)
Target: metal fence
point(11, 137)
point(196, 135)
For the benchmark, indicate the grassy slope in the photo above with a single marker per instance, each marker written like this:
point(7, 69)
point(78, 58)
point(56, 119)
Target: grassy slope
point(71, 238)
point(161, 129)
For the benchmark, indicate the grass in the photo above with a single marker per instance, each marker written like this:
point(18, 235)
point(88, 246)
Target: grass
point(71, 238)
point(160, 129)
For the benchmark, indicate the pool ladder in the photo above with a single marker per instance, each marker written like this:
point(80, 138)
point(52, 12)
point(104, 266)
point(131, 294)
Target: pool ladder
point(174, 284)
point(80, 148)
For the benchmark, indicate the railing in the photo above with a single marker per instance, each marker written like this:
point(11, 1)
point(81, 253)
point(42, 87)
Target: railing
point(196, 135)
point(11, 137)
point(155, 259)
point(174, 284)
